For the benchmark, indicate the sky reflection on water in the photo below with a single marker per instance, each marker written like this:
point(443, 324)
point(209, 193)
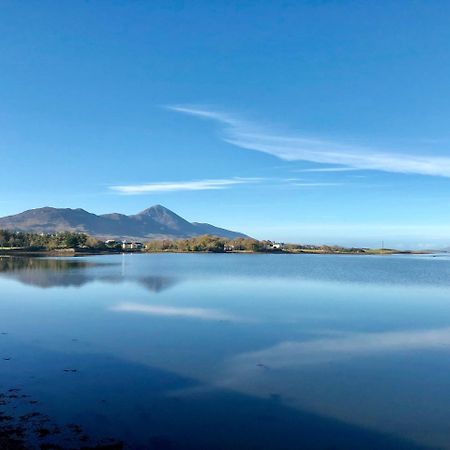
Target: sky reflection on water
point(357, 346)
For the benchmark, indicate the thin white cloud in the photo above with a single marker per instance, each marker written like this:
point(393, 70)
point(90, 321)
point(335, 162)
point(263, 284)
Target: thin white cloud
point(328, 169)
point(225, 118)
point(303, 148)
point(198, 185)
point(316, 184)
point(173, 311)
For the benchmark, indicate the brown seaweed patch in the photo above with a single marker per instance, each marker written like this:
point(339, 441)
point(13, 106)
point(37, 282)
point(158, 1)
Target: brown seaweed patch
point(21, 431)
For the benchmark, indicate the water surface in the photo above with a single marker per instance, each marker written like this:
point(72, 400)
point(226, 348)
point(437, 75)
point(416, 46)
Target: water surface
point(200, 351)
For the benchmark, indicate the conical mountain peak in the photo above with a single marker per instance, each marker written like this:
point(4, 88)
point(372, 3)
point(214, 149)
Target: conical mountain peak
point(155, 209)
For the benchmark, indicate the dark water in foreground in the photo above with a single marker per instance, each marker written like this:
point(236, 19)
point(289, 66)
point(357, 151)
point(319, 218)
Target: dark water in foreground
point(225, 352)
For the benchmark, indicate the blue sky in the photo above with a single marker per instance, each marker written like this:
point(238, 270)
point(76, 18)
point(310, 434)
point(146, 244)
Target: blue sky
point(313, 121)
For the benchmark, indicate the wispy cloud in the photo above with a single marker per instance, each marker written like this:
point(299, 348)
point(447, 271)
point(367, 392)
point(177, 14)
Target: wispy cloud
point(328, 169)
point(298, 147)
point(197, 185)
point(316, 184)
point(225, 118)
point(173, 311)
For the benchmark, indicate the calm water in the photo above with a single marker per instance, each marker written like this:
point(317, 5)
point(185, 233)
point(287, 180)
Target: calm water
point(226, 351)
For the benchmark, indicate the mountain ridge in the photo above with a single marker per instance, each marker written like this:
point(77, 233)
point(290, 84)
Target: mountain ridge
point(155, 222)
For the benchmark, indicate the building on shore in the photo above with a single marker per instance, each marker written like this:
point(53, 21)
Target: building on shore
point(132, 245)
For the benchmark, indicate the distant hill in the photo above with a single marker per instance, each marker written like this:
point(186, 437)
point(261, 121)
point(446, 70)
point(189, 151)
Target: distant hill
point(153, 223)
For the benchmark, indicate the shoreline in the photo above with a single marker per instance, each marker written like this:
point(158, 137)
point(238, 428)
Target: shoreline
point(63, 253)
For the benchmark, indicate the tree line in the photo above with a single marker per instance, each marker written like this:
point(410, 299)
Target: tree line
point(218, 245)
point(206, 244)
point(42, 241)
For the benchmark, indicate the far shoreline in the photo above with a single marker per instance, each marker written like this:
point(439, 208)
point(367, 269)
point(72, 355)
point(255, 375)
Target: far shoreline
point(68, 243)
point(73, 252)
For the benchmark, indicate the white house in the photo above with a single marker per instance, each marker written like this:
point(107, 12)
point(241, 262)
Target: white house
point(130, 245)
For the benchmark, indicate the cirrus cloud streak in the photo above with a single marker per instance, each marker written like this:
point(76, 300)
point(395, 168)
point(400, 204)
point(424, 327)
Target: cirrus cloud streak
point(299, 147)
point(196, 185)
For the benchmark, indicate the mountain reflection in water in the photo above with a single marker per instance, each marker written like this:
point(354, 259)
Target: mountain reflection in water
point(54, 272)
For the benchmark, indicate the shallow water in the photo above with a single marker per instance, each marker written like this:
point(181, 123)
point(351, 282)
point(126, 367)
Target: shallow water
point(205, 351)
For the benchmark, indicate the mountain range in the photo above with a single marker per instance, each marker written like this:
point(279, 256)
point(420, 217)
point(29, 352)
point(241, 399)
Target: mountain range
point(155, 222)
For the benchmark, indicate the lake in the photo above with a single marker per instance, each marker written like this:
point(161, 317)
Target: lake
point(225, 351)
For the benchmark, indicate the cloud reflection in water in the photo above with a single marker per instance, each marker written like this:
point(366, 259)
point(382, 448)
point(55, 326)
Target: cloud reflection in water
point(291, 354)
point(174, 311)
